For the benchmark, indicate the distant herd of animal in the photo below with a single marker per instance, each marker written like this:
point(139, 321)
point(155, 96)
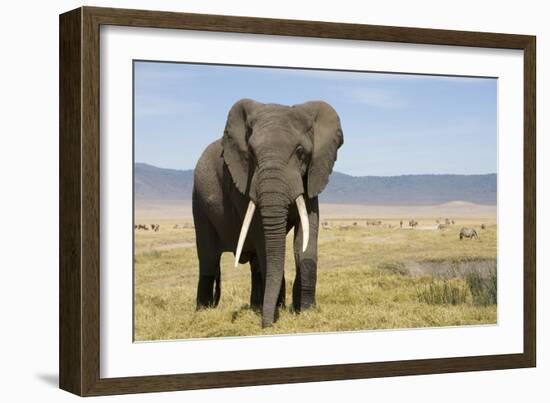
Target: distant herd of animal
point(465, 232)
point(156, 227)
point(145, 227)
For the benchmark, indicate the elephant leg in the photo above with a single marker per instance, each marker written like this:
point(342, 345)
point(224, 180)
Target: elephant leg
point(303, 291)
point(209, 287)
point(209, 254)
point(257, 284)
point(281, 300)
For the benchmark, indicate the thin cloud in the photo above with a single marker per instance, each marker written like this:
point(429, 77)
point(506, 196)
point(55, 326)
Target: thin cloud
point(376, 98)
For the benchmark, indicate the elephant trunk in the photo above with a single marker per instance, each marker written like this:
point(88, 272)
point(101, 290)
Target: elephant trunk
point(273, 206)
point(274, 221)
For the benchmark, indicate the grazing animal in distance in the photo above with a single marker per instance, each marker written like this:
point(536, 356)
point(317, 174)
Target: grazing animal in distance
point(453, 222)
point(413, 223)
point(401, 224)
point(482, 226)
point(447, 221)
point(374, 222)
point(468, 233)
point(442, 226)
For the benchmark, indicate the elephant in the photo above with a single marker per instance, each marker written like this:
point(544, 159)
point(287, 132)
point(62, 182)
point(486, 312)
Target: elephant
point(255, 184)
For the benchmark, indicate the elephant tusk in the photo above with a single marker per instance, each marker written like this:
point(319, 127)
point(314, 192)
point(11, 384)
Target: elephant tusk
point(244, 230)
point(304, 221)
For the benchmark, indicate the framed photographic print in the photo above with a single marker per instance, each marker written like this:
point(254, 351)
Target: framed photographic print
point(249, 201)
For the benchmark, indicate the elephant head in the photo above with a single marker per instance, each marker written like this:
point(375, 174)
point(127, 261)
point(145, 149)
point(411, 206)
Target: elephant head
point(277, 156)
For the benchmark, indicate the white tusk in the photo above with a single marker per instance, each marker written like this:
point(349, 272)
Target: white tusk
point(244, 230)
point(303, 221)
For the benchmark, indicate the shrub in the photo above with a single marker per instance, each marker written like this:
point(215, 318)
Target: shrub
point(484, 290)
point(445, 292)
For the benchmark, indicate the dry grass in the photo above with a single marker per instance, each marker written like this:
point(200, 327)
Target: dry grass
point(362, 282)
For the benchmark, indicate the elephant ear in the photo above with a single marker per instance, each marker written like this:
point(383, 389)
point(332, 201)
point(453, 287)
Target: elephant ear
point(235, 142)
point(327, 138)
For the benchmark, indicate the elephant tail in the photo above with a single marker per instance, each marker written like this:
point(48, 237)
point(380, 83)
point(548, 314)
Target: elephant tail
point(217, 289)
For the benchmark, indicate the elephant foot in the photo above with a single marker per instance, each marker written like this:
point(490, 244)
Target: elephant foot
point(208, 291)
point(301, 305)
point(268, 322)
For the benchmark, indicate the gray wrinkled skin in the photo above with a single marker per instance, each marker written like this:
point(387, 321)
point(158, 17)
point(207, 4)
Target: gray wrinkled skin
point(269, 154)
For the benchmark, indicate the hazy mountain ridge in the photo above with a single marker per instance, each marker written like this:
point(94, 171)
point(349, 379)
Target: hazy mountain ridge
point(152, 183)
point(410, 189)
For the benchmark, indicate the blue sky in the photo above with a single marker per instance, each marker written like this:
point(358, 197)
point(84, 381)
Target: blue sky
point(393, 124)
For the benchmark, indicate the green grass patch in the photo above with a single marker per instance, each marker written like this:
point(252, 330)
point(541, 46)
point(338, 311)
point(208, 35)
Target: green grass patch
point(445, 292)
point(484, 290)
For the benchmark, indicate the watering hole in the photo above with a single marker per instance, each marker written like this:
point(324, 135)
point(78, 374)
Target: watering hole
point(442, 268)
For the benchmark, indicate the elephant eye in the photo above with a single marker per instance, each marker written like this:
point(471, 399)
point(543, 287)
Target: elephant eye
point(300, 153)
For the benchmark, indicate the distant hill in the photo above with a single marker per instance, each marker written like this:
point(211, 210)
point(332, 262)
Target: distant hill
point(410, 189)
point(152, 183)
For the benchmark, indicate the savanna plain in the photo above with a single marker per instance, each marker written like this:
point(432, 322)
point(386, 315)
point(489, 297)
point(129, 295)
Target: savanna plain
point(373, 273)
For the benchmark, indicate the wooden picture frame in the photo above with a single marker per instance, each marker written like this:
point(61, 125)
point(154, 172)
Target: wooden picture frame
point(79, 281)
